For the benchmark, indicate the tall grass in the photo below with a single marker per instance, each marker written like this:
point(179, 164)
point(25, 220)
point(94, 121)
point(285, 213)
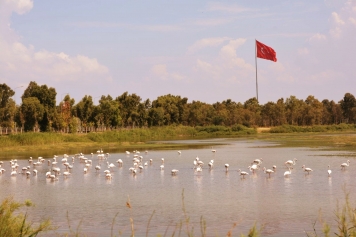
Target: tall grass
point(316, 128)
point(12, 224)
point(345, 221)
point(123, 135)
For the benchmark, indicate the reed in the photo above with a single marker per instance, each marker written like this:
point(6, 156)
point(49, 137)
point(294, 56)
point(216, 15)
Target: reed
point(316, 128)
point(12, 224)
point(345, 221)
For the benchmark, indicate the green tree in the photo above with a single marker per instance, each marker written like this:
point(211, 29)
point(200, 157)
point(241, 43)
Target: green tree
point(348, 106)
point(84, 110)
point(47, 98)
point(313, 111)
point(32, 111)
point(109, 112)
point(253, 112)
point(7, 106)
point(173, 107)
point(129, 106)
point(294, 108)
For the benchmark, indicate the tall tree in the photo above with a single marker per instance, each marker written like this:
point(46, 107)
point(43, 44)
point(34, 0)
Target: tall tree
point(84, 111)
point(32, 111)
point(109, 112)
point(348, 106)
point(47, 98)
point(7, 106)
point(129, 108)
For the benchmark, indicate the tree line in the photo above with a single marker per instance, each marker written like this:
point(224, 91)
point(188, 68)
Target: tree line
point(40, 112)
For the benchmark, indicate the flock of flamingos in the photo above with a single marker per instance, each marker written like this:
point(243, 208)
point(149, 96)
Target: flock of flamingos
point(63, 166)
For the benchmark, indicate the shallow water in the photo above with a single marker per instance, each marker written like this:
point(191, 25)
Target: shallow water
point(284, 206)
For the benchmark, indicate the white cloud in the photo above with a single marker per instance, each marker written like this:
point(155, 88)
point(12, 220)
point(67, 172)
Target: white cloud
point(317, 37)
point(22, 63)
point(160, 71)
point(329, 56)
point(207, 42)
point(226, 65)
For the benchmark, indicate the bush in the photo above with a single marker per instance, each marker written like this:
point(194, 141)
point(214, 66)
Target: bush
point(17, 224)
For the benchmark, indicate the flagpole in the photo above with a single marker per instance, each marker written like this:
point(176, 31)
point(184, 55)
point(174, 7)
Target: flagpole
point(256, 69)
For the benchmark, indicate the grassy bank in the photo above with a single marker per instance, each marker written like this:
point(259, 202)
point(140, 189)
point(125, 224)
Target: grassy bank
point(336, 137)
point(125, 138)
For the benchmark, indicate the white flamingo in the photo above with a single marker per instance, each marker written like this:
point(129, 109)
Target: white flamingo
point(253, 167)
point(213, 150)
point(227, 167)
point(119, 162)
point(291, 162)
point(242, 173)
point(344, 165)
point(268, 171)
point(258, 161)
point(329, 171)
point(287, 173)
point(66, 174)
point(307, 169)
point(174, 171)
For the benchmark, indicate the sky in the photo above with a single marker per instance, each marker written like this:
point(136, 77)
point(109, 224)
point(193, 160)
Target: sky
point(202, 50)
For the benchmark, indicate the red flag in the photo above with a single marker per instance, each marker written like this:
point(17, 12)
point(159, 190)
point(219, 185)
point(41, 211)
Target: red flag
point(263, 51)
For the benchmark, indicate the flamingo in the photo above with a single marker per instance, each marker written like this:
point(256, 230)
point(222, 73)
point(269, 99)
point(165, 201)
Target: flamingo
point(253, 168)
point(344, 165)
point(162, 167)
point(179, 152)
point(329, 171)
point(307, 169)
point(119, 162)
point(243, 173)
point(34, 172)
point(268, 171)
point(213, 150)
point(287, 173)
point(199, 169)
point(227, 167)
point(66, 174)
point(174, 171)
point(97, 168)
point(111, 165)
point(291, 162)
point(258, 161)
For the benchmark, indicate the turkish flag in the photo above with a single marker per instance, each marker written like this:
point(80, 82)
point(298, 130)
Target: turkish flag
point(265, 52)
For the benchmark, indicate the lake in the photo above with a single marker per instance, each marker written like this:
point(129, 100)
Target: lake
point(284, 206)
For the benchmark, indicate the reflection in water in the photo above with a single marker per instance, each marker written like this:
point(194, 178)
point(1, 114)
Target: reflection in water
point(287, 205)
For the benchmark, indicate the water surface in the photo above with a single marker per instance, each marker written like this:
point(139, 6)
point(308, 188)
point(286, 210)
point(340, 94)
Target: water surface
point(283, 206)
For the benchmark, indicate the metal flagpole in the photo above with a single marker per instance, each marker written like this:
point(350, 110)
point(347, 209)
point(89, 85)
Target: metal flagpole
point(256, 68)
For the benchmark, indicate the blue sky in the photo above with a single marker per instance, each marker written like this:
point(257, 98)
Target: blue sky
point(203, 50)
